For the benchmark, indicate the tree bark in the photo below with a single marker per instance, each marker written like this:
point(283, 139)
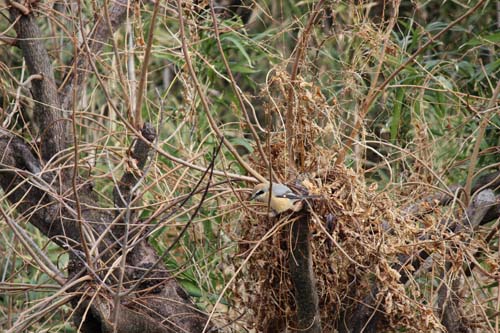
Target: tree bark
point(302, 275)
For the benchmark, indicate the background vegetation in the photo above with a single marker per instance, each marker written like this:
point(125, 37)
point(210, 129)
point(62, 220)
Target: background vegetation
point(388, 110)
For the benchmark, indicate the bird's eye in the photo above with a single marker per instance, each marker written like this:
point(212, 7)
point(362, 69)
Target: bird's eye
point(259, 193)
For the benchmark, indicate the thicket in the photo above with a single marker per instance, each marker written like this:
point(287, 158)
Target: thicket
point(132, 133)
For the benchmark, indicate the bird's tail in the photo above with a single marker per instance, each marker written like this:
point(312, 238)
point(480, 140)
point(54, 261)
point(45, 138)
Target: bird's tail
point(312, 196)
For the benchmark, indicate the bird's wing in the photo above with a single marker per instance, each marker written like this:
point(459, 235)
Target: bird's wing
point(282, 191)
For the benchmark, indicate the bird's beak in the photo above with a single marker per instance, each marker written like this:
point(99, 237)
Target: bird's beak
point(251, 197)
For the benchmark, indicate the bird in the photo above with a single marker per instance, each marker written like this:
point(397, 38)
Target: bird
point(282, 197)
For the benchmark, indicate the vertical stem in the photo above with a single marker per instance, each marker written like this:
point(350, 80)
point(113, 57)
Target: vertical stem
point(74, 178)
point(498, 293)
point(290, 117)
point(479, 139)
point(131, 78)
point(144, 72)
point(301, 271)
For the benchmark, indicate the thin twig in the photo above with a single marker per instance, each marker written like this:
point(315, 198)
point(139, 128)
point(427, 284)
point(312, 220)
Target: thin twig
point(204, 101)
point(131, 76)
point(237, 91)
point(23, 9)
point(31, 78)
point(144, 72)
point(42, 260)
point(479, 139)
point(374, 93)
point(290, 117)
point(121, 76)
point(74, 178)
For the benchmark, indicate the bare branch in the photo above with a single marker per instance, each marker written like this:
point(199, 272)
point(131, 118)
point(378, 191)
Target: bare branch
point(100, 34)
point(8, 40)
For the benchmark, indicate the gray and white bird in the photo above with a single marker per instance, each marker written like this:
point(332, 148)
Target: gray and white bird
point(282, 197)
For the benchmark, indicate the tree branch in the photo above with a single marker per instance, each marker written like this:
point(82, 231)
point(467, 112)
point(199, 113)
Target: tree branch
point(302, 276)
point(48, 114)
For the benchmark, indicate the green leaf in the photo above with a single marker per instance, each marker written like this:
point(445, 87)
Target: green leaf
point(493, 38)
point(240, 47)
point(396, 115)
point(192, 289)
point(243, 69)
point(242, 142)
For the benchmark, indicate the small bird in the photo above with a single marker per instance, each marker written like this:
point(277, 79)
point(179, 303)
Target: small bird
point(282, 197)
